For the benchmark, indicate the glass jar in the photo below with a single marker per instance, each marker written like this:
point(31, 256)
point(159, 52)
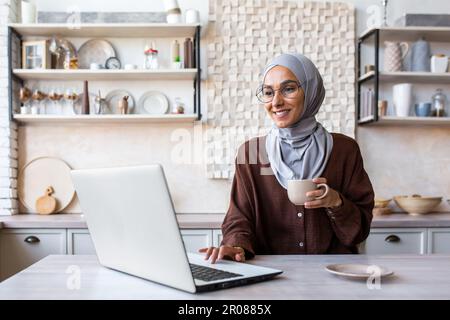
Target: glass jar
point(70, 61)
point(438, 104)
point(151, 59)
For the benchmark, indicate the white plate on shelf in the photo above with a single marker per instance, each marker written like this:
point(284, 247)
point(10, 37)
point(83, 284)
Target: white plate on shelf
point(358, 271)
point(95, 51)
point(153, 102)
point(113, 98)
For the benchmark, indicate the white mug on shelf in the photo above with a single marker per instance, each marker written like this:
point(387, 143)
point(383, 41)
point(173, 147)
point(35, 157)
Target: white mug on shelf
point(95, 66)
point(130, 66)
point(402, 96)
point(439, 63)
point(192, 16)
point(24, 110)
point(28, 12)
point(34, 110)
point(174, 18)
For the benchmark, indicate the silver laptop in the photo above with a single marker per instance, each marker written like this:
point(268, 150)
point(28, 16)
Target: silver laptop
point(132, 222)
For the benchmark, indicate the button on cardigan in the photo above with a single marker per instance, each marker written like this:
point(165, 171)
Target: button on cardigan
point(262, 220)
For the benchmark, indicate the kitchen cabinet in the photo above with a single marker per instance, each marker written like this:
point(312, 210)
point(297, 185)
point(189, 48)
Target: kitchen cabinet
point(217, 237)
point(20, 248)
point(439, 240)
point(196, 239)
point(79, 242)
point(396, 241)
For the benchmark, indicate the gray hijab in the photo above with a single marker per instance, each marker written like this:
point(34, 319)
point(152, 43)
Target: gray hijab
point(302, 150)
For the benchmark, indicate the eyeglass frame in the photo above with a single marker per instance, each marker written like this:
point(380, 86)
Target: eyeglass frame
point(284, 83)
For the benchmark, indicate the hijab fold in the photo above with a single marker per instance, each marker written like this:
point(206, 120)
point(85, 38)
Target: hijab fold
point(301, 151)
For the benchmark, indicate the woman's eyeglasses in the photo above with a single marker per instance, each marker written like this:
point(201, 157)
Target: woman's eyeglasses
point(289, 90)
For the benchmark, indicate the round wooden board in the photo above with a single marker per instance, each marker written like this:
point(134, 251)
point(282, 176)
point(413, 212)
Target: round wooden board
point(40, 173)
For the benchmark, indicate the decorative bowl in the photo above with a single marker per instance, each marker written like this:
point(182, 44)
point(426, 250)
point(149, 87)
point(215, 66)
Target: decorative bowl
point(416, 204)
point(381, 203)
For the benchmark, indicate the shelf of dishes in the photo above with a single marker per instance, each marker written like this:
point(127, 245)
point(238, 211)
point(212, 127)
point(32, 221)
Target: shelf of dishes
point(63, 102)
point(105, 118)
point(127, 30)
point(105, 74)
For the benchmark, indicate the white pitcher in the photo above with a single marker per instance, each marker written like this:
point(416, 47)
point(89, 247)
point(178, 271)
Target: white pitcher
point(394, 55)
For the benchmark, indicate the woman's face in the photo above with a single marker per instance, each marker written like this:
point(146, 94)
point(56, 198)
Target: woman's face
point(284, 111)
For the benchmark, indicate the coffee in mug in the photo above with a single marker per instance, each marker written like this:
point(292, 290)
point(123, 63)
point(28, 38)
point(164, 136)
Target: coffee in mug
point(297, 190)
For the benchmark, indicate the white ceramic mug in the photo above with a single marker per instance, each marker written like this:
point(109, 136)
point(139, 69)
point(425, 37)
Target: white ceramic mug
point(34, 110)
point(129, 66)
point(95, 66)
point(439, 63)
point(24, 110)
point(28, 12)
point(297, 190)
point(402, 96)
point(174, 18)
point(192, 16)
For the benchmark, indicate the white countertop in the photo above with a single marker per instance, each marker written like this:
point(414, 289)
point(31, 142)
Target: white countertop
point(304, 277)
point(186, 221)
point(214, 221)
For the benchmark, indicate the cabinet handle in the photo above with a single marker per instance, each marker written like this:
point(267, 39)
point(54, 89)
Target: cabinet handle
point(32, 239)
point(392, 238)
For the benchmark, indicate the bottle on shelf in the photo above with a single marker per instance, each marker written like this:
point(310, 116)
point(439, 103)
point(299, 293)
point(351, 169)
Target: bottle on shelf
point(85, 109)
point(151, 57)
point(438, 106)
point(175, 55)
point(189, 61)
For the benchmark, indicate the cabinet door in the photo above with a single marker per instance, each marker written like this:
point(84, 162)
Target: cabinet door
point(20, 248)
point(79, 242)
point(217, 237)
point(395, 241)
point(196, 239)
point(439, 240)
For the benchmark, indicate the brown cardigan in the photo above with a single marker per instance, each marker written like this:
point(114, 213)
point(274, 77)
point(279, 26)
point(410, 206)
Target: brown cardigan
point(262, 220)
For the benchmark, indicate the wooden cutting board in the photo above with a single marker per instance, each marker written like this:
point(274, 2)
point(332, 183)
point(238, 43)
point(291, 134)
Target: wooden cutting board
point(46, 204)
point(37, 175)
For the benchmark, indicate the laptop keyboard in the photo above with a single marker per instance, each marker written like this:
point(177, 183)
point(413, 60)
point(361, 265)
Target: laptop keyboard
point(209, 274)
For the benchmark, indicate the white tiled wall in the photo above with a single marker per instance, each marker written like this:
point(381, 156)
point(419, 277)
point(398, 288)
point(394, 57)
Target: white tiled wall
point(243, 37)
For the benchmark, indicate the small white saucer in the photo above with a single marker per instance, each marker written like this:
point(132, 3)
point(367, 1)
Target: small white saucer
point(358, 271)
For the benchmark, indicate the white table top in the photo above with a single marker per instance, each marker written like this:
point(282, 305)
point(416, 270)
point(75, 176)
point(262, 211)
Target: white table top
point(304, 277)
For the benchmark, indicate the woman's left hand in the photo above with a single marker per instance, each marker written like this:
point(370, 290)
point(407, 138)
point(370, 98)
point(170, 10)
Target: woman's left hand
point(332, 199)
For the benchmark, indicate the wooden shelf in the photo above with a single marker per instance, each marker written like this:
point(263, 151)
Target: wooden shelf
point(434, 34)
point(417, 77)
point(111, 75)
point(105, 119)
point(388, 120)
point(113, 30)
point(367, 76)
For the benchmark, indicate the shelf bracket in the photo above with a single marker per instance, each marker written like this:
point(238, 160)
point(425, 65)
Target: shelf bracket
point(197, 81)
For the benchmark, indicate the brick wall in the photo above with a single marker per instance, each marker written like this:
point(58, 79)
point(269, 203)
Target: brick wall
point(8, 131)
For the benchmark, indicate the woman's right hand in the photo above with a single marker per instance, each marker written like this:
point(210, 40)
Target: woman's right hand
point(225, 251)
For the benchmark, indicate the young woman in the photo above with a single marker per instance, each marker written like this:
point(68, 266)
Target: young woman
point(261, 219)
